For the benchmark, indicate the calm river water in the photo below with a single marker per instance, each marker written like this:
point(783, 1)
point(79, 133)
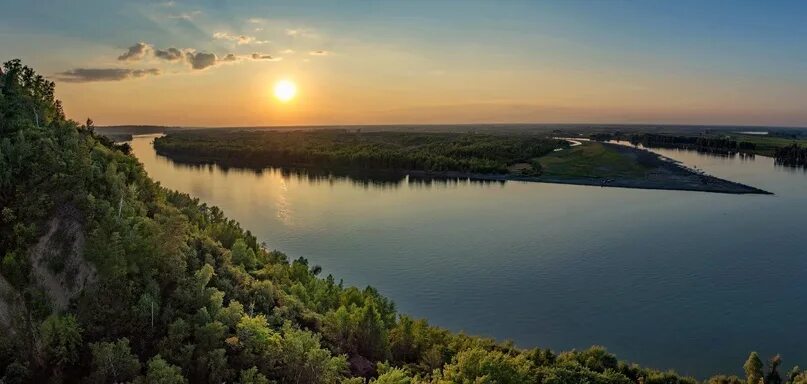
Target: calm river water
point(688, 281)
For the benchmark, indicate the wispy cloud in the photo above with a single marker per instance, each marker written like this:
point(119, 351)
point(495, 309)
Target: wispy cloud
point(135, 52)
point(239, 39)
point(287, 51)
point(84, 75)
point(263, 56)
point(301, 32)
point(319, 53)
point(229, 57)
point(186, 15)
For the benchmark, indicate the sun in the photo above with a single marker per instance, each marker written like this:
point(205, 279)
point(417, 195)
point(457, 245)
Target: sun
point(285, 90)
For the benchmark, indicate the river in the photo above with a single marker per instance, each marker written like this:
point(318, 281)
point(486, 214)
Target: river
point(689, 281)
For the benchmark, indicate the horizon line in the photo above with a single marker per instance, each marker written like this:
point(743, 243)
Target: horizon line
point(671, 125)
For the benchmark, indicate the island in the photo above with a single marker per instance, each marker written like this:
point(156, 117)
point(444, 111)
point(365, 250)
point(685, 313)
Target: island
point(462, 155)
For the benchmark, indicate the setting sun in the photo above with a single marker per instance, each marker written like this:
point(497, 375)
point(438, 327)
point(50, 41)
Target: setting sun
point(285, 90)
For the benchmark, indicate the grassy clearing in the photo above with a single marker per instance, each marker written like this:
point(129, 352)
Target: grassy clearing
point(592, 159)
point(767, 145)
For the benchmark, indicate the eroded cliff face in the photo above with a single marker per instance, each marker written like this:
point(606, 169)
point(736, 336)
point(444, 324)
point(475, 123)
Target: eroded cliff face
point(57, 263)
point(58, 269)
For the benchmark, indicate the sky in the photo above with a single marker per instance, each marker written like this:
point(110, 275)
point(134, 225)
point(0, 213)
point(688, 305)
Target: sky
point(215, 63)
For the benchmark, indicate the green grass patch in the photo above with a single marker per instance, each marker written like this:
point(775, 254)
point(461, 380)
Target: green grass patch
point(592, 159)
point(767, 145)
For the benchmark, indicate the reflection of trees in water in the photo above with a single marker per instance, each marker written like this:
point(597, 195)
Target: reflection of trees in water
point(792, 155)
point(362, 178)
point(723, 147)
point(793, 169)
point(716, 152)
point(684, 148)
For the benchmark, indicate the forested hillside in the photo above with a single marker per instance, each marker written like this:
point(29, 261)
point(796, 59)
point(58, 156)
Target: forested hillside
point(108, 277)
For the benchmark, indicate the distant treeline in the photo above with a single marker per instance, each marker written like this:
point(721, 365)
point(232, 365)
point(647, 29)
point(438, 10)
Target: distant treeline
point(792, 155)
point(333, 149)
point(117, 136)
point(605, 136)
point(699, 143)
point(133, 129)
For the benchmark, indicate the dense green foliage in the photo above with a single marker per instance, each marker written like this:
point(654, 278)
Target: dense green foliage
point(182, 294)
point(434, 152)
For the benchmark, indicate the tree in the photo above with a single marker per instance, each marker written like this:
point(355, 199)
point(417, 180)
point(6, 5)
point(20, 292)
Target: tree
point(161, 372)
point(393, 376)
point(753, 369)
point(595, 358)
point(793, 374)
point(113, 362)
point(772, 376)
point(61, 340)
point(258, 344)
point(305, 361)
point(403, 345)
point(722, 379)
point(252, 376)
point(338, 329)
point(243, 255)
point(371, 332)
point(217, 367)
point(477, 365)
point(800, 378)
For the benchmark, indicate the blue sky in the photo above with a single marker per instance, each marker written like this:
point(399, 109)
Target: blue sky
point(710, 62)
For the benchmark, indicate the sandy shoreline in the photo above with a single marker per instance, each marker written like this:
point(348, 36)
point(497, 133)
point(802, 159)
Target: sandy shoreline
point(716, 185)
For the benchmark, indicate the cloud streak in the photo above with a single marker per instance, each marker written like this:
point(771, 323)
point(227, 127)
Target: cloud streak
point(263, 56)
point(85, 75)
point(187, 16)
point(229, 57)
point(301, 32)
point(238, 39)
